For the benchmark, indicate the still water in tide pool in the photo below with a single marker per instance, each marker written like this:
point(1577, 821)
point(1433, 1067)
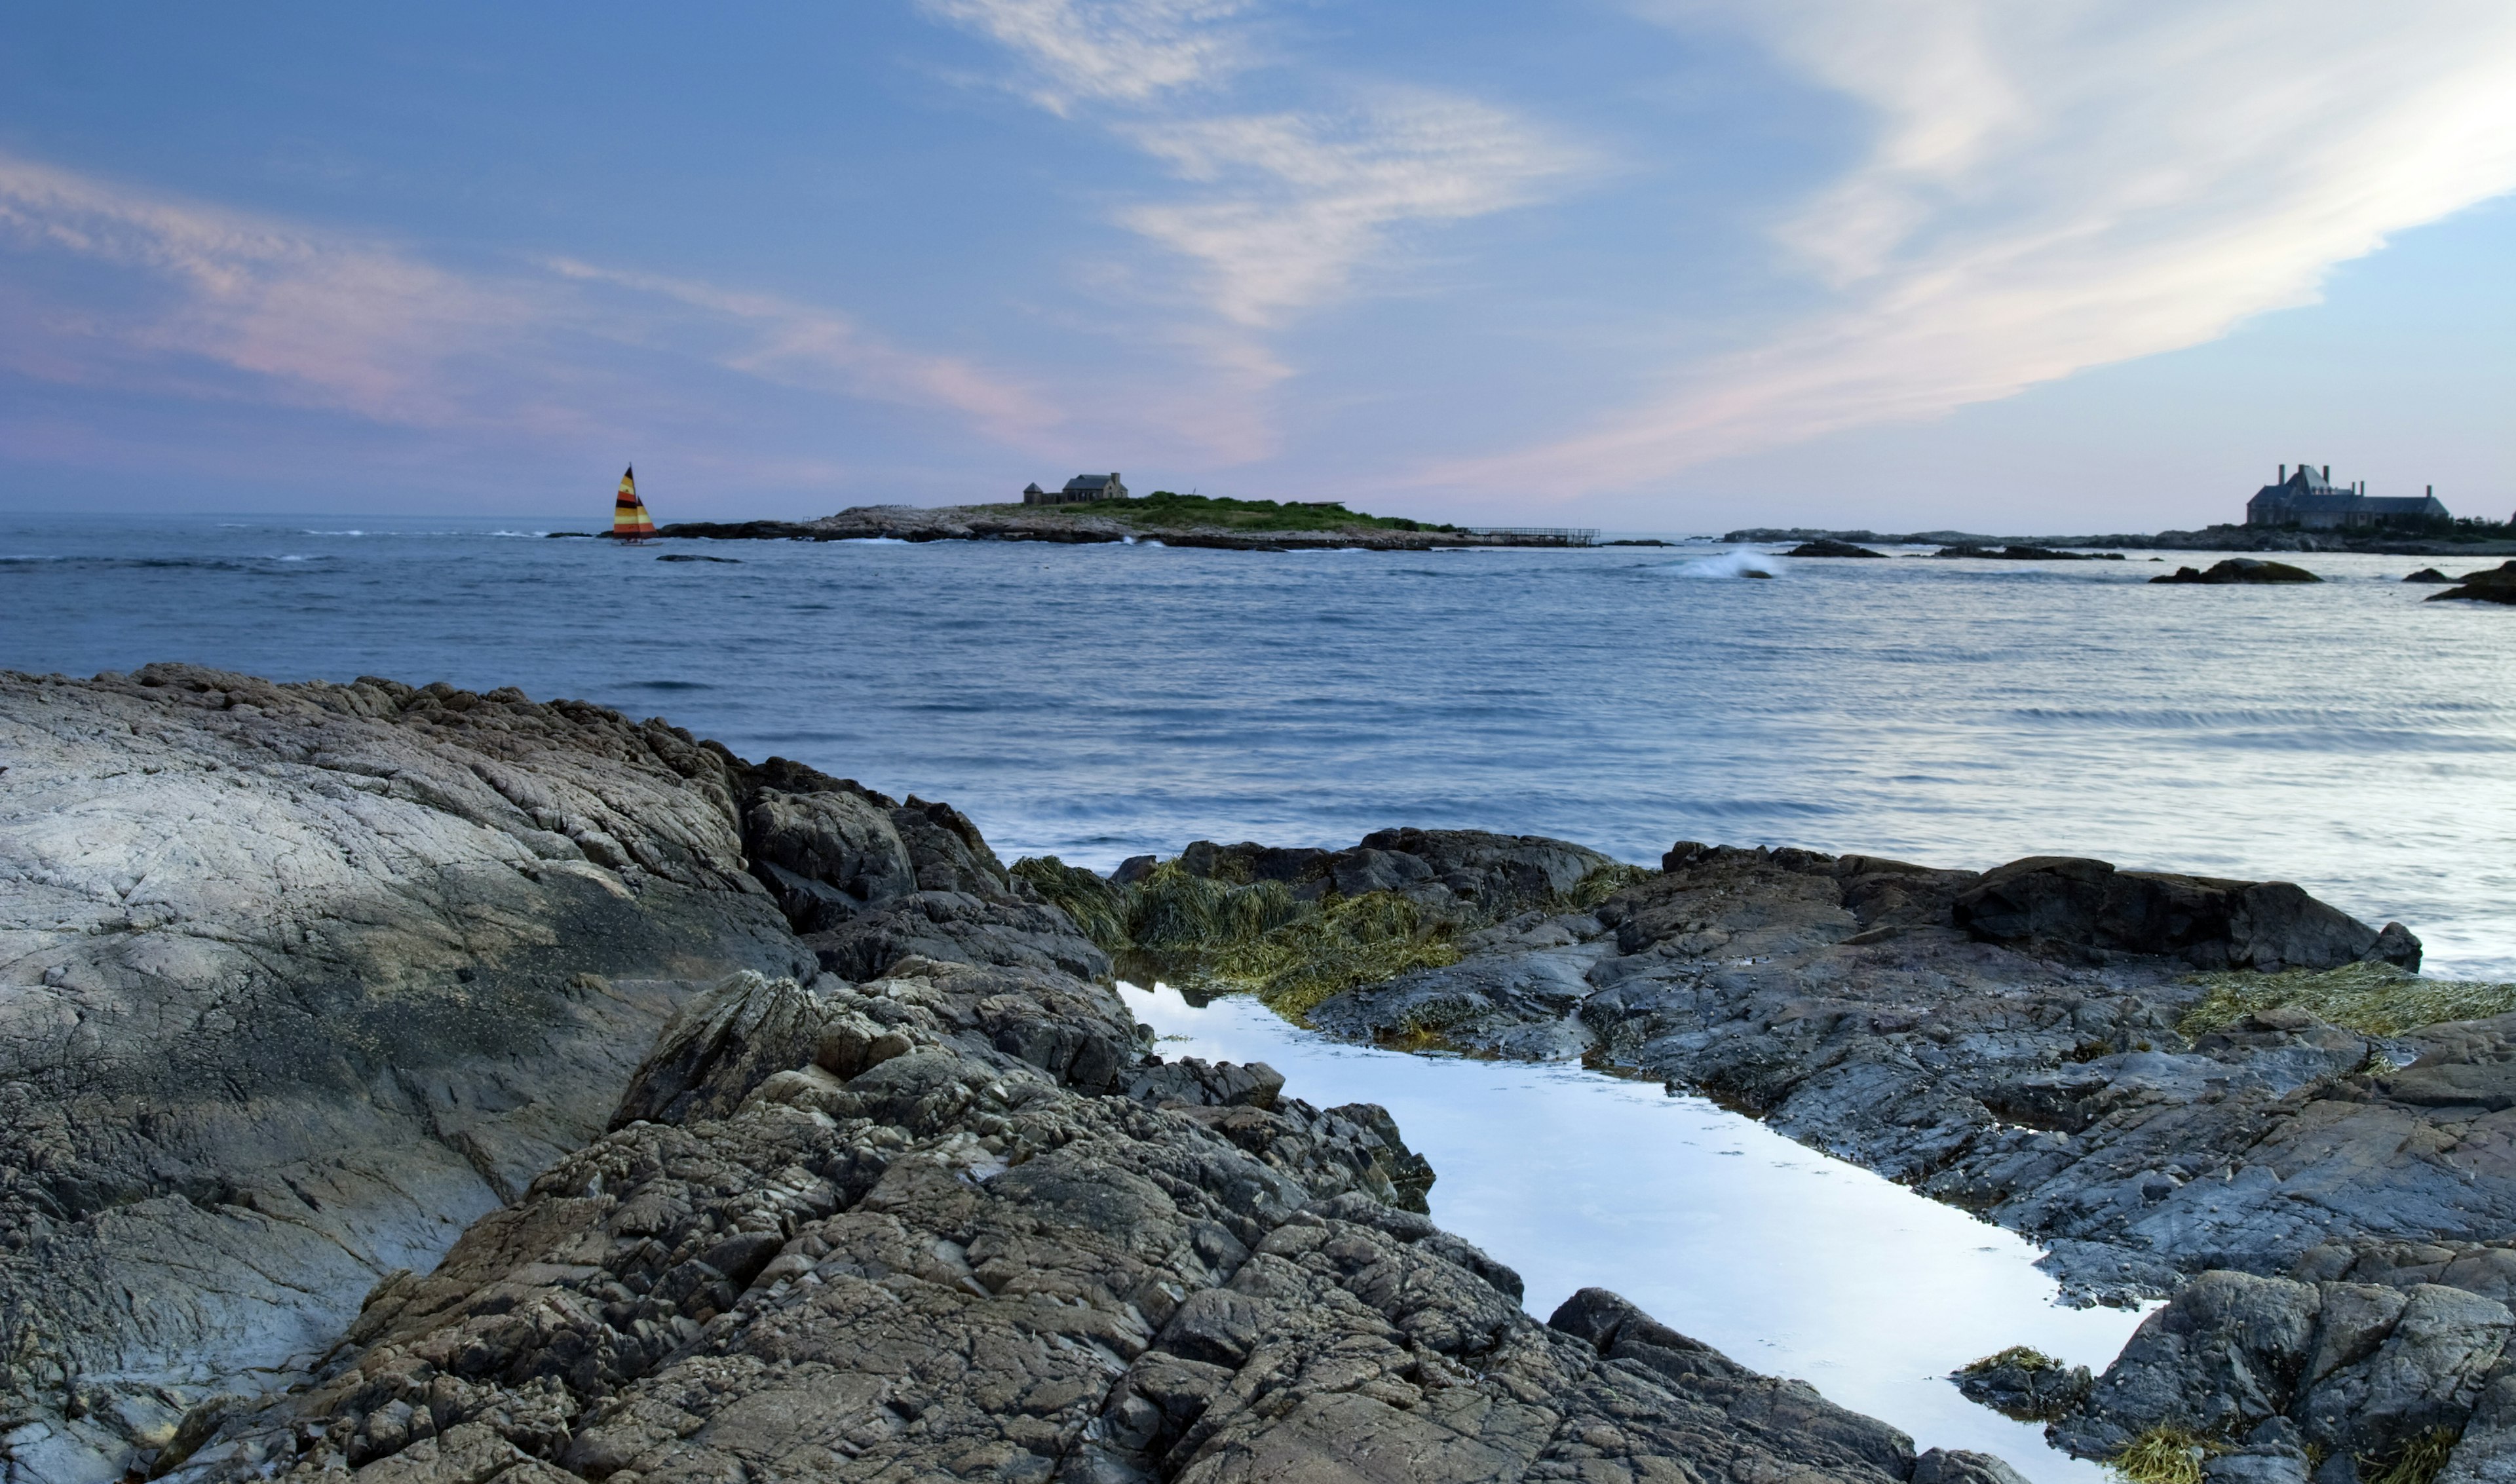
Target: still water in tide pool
point(1785, 1260)
point(1099, 702)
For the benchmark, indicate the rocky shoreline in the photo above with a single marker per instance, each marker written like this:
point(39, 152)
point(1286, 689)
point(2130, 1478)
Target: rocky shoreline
point(2223, 1092)
point(446, 1086)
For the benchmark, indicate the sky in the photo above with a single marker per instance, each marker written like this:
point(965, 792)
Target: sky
point(2015, 265)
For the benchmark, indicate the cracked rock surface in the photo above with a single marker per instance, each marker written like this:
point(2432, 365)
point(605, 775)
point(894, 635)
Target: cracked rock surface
point(897, 1232)
point(298, 980)
point(784, 1133)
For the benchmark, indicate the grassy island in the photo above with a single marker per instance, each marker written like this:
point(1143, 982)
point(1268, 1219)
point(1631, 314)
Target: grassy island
point(1166, 510)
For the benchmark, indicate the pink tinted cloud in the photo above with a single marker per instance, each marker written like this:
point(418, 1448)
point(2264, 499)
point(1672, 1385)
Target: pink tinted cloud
point(329, 319)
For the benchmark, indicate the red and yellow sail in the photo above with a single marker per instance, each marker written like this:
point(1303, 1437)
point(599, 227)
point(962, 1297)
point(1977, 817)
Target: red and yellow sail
point(629, 519)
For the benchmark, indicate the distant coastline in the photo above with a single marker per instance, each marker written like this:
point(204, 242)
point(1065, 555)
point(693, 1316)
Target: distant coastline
point(2210, 538)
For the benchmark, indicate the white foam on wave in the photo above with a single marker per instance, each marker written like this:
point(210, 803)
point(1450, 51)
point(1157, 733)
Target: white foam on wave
point(1729, 564)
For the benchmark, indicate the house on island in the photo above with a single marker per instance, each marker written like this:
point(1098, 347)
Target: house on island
point(2311, 500)
point(1077, 491)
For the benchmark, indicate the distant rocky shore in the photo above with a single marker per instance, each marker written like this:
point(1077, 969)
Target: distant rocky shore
point(1051, 523)
point(2210, 538)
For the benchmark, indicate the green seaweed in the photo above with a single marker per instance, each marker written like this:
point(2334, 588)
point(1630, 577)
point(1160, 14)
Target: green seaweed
point(2023, 1357)
point(1599, 885)
point(1098, 908)
point(1220, 935)
point(2420, 1460)
point(2372, 999)
point(2162, 1455)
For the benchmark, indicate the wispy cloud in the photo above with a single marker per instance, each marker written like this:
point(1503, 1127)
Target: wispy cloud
point(321, 319)
point(1286, 210)
point(797, 345)
point(1123, 51)
point(1296, 203)
point(317, 318)
point(2062, 186)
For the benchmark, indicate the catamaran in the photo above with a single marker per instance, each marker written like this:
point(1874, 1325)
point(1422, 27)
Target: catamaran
point(629, 519)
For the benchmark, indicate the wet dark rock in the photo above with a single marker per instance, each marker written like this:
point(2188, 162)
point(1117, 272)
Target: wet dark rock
point(1827, 546)
point(683, 556)
point(2074, 903)
point(1466, 873)
point(2022, 552)
point(2242, 570)
point(2428, 575)
point(2496, 584)
point(1960, 1466)
point(2348, 1369)
point(1216, 1084)
point(956, 925)
point(2024, 1385)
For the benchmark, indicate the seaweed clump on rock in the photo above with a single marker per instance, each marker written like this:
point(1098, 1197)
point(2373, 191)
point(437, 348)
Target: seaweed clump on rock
point(2024, 1385)
point(1297, 927)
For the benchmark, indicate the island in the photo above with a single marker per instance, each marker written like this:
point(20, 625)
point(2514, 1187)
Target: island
point(1163, 516)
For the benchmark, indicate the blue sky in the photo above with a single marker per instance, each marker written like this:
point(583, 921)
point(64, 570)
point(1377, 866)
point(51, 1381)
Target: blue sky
point(1671, 264)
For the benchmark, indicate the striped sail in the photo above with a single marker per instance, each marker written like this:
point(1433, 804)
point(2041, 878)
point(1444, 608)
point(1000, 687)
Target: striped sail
point(629, 519)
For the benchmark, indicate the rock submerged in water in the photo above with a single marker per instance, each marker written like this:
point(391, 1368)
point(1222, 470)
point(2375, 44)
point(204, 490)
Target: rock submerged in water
point(2495, 585)
point(1828, 546)
point(2242, 570)
point(2018, 552)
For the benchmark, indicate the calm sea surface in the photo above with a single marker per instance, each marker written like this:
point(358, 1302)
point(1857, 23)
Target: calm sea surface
point(1107, 701)
point(1100, 701)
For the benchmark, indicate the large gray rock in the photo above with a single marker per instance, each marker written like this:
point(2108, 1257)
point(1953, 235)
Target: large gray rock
point(295, 981)
point(2211, 924)
point(826, 855)
point(2345, 1369)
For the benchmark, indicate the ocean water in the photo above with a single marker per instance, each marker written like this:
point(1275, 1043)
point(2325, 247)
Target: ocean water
point(1102, 702)
point(1786, 1261)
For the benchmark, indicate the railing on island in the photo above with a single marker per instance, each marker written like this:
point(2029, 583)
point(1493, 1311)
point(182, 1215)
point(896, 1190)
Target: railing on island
point(1536, 535)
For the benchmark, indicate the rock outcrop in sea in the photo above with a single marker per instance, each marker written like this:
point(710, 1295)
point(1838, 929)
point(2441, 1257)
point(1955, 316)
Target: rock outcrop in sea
point(2241, 571)
point(2492, 584)
point(447, 1087)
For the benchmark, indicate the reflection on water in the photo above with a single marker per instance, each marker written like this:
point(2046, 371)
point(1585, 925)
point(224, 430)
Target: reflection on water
point(1786, 1261)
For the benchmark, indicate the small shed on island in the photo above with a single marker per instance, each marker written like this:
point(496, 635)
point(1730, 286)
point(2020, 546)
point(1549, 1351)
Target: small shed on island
point(1079, 490)
point(2310, 500)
